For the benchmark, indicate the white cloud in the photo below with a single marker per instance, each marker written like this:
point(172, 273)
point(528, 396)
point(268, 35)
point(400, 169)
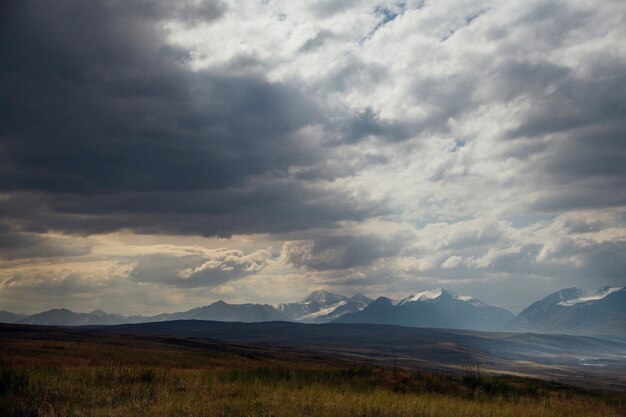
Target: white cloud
point(229, 261)
point(452, 262)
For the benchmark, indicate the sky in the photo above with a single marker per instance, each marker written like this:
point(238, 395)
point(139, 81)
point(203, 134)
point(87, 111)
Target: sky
point(156, 155)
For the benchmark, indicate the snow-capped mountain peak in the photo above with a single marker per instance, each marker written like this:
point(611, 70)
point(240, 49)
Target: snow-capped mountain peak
point(424, 295)
point(322, 306)
point(323, 297)
point(589, 295)
point(600, 312)
point(432, 308)
point(439, 294)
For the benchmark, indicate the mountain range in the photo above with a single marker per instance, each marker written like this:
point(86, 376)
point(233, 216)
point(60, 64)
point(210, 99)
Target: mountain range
point(434, 308)
point(323, 307)
point(318, 307)
point(597, 312)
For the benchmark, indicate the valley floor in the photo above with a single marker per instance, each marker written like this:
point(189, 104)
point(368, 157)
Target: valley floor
point(58, 373)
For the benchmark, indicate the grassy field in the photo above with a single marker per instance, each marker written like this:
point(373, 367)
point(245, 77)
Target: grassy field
point(127, 376)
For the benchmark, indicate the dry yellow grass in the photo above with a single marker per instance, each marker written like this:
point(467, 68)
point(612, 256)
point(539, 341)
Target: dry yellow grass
point(134, 378)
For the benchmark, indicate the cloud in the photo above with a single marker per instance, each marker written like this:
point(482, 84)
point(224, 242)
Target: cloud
point(326, 8)
point(385, 147)
point(228, 264)
point(277, 207)
point(16, 244)
point(340, 251)
point(137, 139)
point(213, 268)
point(452, 262)
point(46, 285)
point(316, 41)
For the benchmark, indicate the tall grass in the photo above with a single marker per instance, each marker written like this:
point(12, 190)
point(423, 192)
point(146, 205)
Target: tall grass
point(211, 384)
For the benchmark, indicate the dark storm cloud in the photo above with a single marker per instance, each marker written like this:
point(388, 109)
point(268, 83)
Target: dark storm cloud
point(203, 133)
point(253, 208)
point(588, 165)
point(368, 124)
point(599, 151)
point(577, 102)
point(583, 160)
point(605, 261)
point(104, 126)
point(115, 109)
point(514, 77)
point(341, 251)
point(15, 244)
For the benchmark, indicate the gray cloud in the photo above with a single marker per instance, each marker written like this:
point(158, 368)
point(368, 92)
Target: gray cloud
point(16, 244)
point(327, 8)
point(45, 286)
point(368, 124)
point(584, 168)
point(277, 207)
point(193, 271)
point(341, 251)
point(316, 41)
point(577, 102)
point(116, 131)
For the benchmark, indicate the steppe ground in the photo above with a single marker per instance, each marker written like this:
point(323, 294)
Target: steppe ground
point(109, 375)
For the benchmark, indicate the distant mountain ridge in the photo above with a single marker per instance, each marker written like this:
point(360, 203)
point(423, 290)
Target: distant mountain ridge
point(222, 311)
point(600, 312)
point(8, 317)
point(596, 312)
point(323, 306)
point(318, 307)
point(433, 308)
point(65, 317)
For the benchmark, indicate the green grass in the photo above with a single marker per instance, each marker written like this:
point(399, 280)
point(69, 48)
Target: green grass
point(132, 378)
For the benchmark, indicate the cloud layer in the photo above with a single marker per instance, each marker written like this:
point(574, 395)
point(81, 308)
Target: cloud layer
point(366, 146)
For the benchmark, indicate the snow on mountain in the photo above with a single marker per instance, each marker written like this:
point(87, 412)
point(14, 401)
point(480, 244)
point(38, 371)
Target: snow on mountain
point(324, 311)
point(323, 306)
point(590, 295)
point(423, 296)
point(471, 300)
point(431, 295)
point(597, 312)
point(432, 308)
point(594, 312)
point(323, 297)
